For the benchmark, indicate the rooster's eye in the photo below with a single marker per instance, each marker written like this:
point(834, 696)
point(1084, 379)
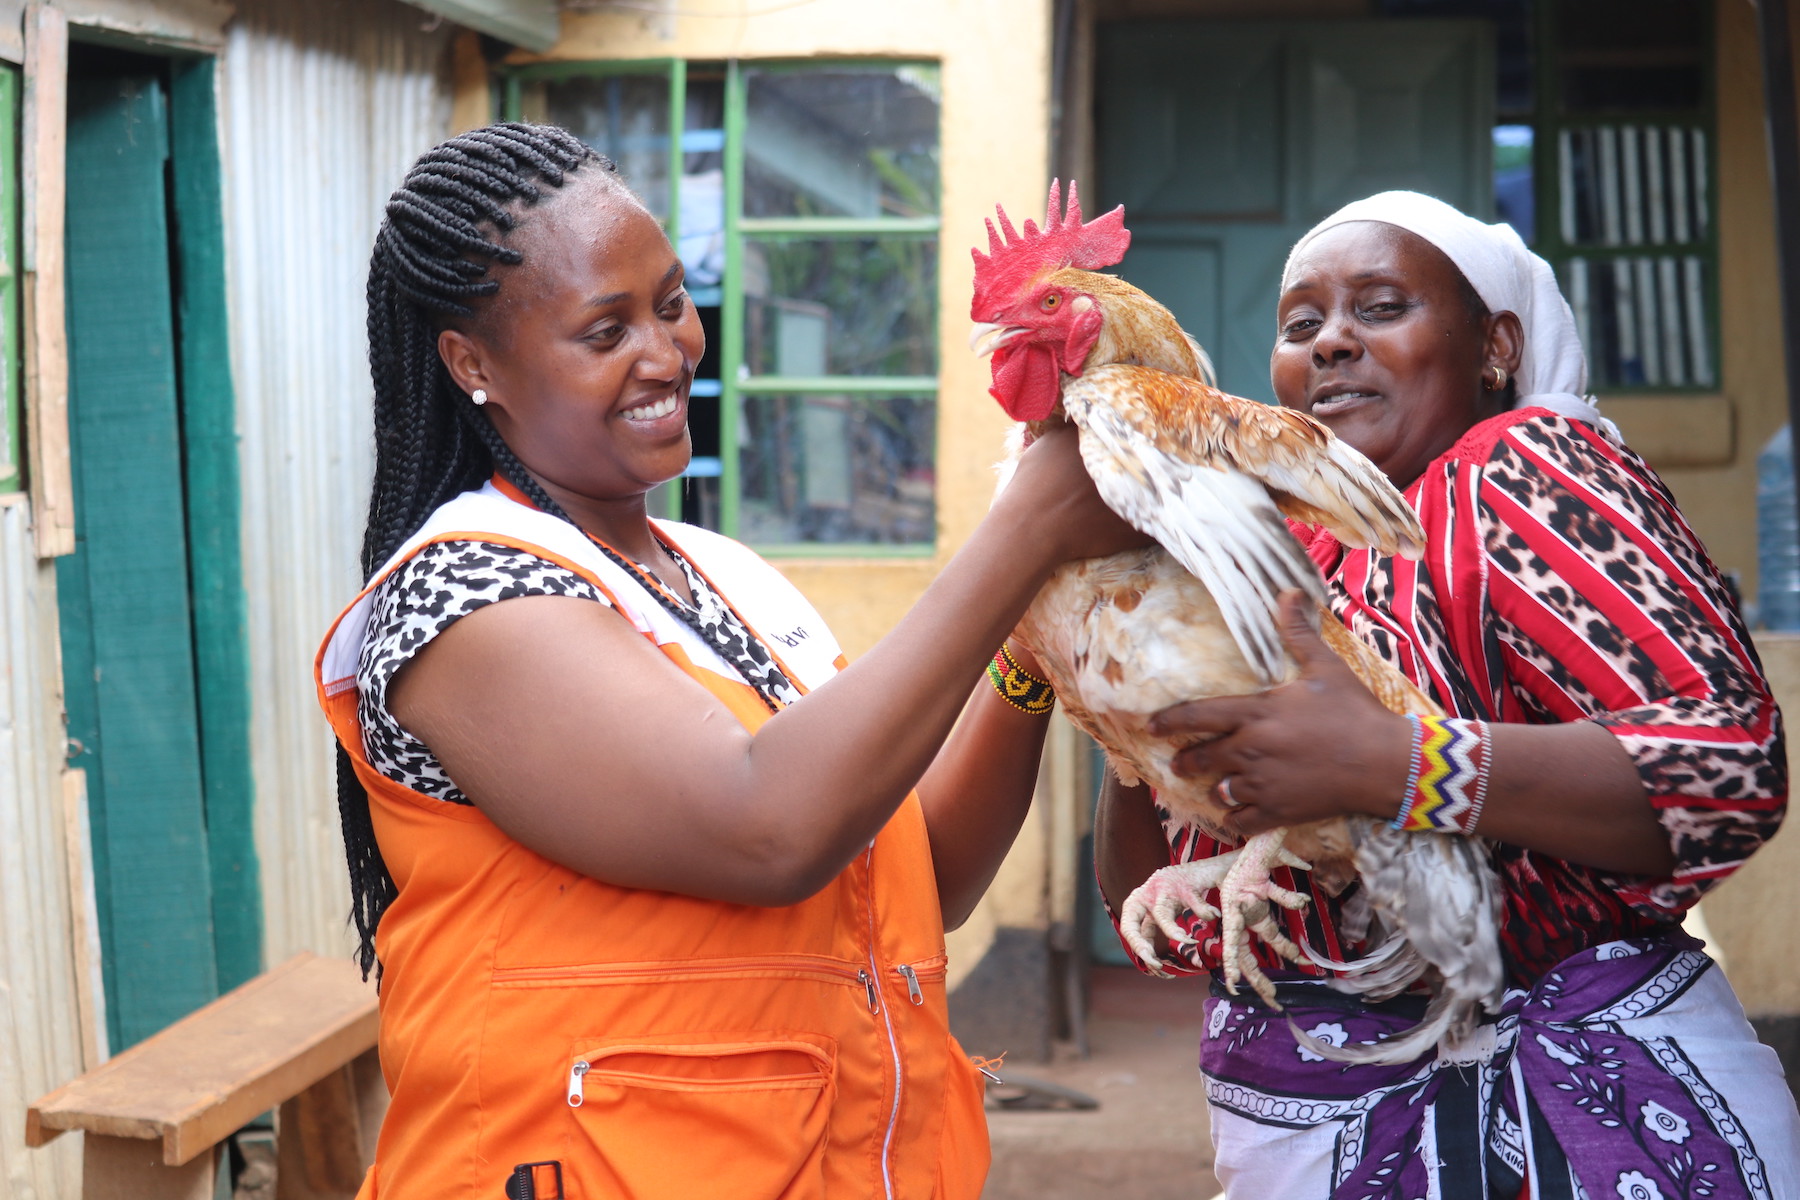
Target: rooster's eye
point(1051, 301)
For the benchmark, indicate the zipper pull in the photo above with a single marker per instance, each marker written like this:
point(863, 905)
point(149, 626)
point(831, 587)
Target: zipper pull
point(868, 982)
point(575, 1073)
point(912, 984)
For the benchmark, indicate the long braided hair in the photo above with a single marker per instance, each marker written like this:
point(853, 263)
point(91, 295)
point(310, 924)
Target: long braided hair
point(443, 228)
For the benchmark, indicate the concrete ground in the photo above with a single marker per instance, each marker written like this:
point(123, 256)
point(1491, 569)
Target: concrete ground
point(1148, 1138)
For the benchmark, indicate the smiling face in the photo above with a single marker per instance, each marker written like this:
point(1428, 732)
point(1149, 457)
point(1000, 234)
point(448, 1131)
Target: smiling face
point(1380, 337)
point(588, 348)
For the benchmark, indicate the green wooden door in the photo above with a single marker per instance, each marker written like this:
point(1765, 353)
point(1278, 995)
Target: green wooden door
point(128, 645)
point(1226, 141)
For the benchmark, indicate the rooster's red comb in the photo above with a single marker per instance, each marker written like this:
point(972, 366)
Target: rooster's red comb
point(1014, 257)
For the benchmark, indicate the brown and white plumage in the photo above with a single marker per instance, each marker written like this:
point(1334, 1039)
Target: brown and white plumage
point(1211, 477)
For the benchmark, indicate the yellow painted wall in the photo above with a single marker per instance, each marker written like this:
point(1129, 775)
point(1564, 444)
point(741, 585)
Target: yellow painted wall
point(1751, 914)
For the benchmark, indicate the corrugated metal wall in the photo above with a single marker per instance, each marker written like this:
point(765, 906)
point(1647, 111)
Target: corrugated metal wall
point(323, 106)
point(40, 1042)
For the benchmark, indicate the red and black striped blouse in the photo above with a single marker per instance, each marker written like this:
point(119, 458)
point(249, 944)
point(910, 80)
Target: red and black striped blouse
point(1561, 583)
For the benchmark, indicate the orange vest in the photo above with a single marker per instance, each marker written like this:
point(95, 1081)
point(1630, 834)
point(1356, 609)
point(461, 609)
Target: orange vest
point(654, 1046)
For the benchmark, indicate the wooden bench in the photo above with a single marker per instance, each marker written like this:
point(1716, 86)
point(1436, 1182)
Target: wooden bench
point(300, 1037)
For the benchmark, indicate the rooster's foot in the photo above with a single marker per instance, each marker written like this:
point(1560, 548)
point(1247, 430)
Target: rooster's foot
point(1159, 902)
point(1247, 900)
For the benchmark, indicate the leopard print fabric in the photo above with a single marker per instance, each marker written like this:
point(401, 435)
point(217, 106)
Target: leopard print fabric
point(1682, 670)
point(431, 591)
point(727, 634)
point(448, 580)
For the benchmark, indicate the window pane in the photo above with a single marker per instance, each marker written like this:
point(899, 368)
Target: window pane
point(1627, 184)
point(844, 142)
point(626, 118)
point(1514, 200)
point(1643, 320)
point(702, 224)
point(837, 469)
point(840, 306)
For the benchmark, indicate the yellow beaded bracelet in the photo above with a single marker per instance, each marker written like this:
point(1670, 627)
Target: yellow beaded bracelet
point(1019, 687)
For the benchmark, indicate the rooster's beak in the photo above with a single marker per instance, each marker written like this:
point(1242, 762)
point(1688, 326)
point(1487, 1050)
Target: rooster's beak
point(988, 336)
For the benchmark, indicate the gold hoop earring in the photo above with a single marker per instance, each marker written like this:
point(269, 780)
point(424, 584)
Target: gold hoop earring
point(1500, 378)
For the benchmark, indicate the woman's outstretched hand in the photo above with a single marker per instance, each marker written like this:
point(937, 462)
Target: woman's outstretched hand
point(1054, 490)
point(1321, 746)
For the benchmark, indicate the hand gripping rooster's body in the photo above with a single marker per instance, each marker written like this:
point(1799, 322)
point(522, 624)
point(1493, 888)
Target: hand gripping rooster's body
point(1210, 476)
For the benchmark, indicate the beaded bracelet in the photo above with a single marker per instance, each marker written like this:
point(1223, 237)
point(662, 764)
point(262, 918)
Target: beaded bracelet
point(1019, 687)
point(1447, 775)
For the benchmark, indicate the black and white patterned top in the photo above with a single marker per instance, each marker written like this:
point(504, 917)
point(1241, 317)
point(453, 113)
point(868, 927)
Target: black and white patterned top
point(451, 579)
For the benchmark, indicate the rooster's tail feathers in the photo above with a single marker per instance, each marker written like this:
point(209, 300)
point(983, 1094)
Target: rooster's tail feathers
point(1448, 1021)
point(1439, 897)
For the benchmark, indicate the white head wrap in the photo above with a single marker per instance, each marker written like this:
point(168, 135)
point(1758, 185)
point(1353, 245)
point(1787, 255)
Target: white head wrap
point(1508, 278)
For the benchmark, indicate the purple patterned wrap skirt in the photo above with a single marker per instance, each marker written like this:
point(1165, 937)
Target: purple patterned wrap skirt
point(1628, 1071)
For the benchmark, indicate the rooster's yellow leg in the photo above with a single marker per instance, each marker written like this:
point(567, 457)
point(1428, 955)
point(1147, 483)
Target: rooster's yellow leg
point(1159, 902)
point(1247, 900)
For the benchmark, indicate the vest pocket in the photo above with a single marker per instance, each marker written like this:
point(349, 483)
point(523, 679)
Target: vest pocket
point(723, 1115)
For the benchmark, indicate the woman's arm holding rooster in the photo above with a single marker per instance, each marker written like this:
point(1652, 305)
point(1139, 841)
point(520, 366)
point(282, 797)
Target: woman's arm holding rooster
point(1129, 844)
point(1322, 747)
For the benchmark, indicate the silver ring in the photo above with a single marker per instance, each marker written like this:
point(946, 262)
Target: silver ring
point(1225, 796)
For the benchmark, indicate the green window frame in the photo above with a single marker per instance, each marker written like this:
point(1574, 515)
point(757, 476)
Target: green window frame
point(1655, 171)
point(737, 383)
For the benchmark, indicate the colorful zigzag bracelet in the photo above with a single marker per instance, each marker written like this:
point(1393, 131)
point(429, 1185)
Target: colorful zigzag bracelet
point(1447, 775)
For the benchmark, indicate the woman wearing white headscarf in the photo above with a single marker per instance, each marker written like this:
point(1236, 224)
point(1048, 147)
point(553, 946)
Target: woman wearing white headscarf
point(1621, 754)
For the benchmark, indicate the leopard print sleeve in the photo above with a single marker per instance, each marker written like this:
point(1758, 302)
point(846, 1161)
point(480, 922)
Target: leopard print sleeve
point(431, 591)
point(1607, 608)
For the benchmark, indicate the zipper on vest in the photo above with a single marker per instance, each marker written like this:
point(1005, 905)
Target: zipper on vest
point(575, 1091)
point(887, 1141)
point(913, 991)
point(868, 982)
point(767, 966)
point(887, 1016)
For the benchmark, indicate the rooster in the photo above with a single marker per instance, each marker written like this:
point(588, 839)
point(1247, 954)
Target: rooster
point(1210, 477)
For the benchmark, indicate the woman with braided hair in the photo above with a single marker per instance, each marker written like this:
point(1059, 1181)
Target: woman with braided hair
point(657, 883)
